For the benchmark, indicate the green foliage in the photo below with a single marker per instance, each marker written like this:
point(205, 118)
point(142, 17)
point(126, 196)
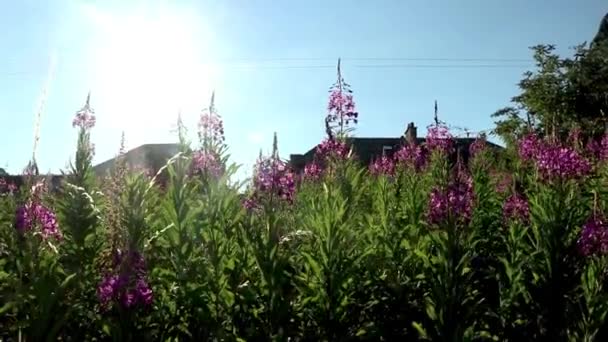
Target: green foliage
point(561, 94)
point(354, 257)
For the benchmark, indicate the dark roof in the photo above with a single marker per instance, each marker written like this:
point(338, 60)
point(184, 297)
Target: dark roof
point(363, 143)
point(148, 156)
point(367, 149)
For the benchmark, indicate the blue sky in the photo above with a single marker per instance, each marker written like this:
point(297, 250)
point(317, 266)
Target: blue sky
point(270, 63)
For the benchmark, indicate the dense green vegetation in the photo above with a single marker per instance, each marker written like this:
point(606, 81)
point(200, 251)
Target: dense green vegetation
point(505, 247)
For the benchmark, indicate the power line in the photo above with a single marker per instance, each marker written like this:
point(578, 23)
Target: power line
point(432, 66)
point(382, 59)
point(358, 66)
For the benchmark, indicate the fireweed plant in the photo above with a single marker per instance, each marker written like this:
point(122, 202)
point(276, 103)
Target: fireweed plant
point(438, 241)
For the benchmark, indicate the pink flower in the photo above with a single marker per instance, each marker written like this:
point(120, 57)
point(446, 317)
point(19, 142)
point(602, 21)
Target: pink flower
point(34, 215)
point(594, 237)
point(455, 201)
point(478, 146)
point(207, 162)
point(516, 208)
point(107, 289)
point(382, 166)
point(341, 107)
point(412, 156)
point(273, 177)
point(7, 187)
point(332, 149)
point(439, 139)
point(12, 188)
point(211, 126)
point(85, 118)
point(529, 147)
point(555, 161)
point(313, 171)
point(341, 110)
point(126, 285)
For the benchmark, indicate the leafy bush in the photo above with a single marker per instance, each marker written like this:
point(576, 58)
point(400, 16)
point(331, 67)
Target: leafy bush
point(415, 247)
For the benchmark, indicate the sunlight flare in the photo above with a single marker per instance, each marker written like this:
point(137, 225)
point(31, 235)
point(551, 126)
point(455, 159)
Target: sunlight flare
point(146, 65)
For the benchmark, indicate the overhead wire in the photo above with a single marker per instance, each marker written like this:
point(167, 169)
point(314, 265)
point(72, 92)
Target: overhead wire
point(283, 63)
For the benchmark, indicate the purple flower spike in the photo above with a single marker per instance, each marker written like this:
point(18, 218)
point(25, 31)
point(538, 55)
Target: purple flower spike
point(412, 156)
point(439, 139)
point(382, 166)
point(529, 147)
point(341, 107)
point(594, 238)
point(34, 215)
point(211, 126)
point(107, 289)
point(273, 176)
point(85, 118)
point(554, 161)
point(313, 171)
point(478, 146)
point(48, 222)
point(207, 162)
point(604, 148)
point(516, 208)
point(144, 293)
point(23, 219)
point(456, 201)
point(129, 298)
point(332, 149)
point(127, 286)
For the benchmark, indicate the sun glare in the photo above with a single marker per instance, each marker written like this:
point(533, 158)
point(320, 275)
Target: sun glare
point(146, 65)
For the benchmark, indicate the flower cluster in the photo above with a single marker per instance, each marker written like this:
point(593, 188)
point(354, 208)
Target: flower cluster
point(454, 202)
point(85, 118)
point(34, 215)
point(594, 237)
point(604, 147)
point(382, 166)
point(273, 177)
point(211, 126)
point(313, 171)
point(516, 208)
point(341, 106)
point(328, 150)
point(599, 149)
point(554, 161)
point(478, 146)
point(207, 162)
point(439, 139)
point(127, 285)
point(412, 156)
point(7, 187)
point(332, 149)
point(529, 147)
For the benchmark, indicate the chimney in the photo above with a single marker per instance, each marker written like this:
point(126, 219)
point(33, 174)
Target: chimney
point(411, 134)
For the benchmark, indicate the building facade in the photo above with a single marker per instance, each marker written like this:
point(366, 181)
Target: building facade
point(368, 149)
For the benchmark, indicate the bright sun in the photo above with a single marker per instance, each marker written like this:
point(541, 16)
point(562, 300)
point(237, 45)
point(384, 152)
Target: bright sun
point(146, 65)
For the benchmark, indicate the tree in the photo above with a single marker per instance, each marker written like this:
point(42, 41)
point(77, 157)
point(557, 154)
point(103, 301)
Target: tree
point(561, 94)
